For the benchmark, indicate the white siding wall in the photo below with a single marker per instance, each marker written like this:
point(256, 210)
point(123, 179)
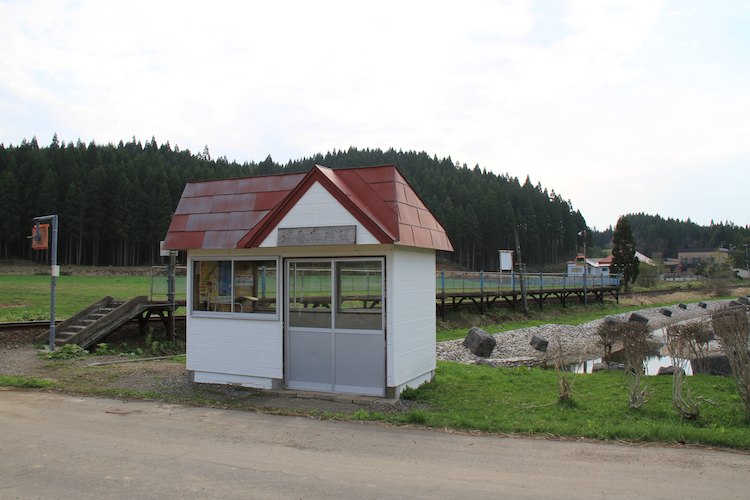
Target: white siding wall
point(235, 346)
point(318, 207)
point(241, 347)
point(229, 350)
point(411, 314)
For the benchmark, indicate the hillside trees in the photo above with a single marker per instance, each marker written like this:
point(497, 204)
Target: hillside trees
point(661, 238)
point(115, 201)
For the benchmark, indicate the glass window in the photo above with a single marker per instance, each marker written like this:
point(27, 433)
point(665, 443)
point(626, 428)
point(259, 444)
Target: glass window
point(359, 286)
point(235, 286)
point(310, 294)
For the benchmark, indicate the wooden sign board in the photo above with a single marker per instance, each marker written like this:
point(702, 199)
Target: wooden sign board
point(312, 236)
point(43, 242)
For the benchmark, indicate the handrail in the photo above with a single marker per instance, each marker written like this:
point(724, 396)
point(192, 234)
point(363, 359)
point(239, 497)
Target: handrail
point(490, 282)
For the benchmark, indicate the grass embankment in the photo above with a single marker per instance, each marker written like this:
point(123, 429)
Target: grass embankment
point(524, 401)
point(26, 382)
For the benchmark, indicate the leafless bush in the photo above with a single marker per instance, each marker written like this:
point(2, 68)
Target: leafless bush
point(635, 349)
point(688, 341)
point(718, 281)
point(609, 332)
point(731, 329)
point(564, 377)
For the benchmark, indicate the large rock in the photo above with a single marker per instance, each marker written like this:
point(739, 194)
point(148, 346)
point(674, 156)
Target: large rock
point(612, 320)
point(712, 365)
point(598, 367)
point(539, 343)
point(682, 306)
point(638, 318)
point(666, 312)
point(479, 342)
point(743, 301)
point(702, 305)
point(669, 370)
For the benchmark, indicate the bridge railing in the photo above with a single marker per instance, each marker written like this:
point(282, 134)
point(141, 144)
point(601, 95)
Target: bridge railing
point(473, 282)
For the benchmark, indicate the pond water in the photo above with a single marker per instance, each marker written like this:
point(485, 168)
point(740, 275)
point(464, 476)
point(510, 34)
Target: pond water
point(652, 363)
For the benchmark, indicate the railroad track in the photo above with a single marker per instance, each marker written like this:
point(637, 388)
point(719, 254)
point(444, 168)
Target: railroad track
point(36, 325)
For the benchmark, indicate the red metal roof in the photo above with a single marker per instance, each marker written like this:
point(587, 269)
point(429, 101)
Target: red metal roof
point(241, 213)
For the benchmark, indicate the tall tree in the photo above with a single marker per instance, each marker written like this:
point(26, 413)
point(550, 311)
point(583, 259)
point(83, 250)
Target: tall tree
point(624, 260)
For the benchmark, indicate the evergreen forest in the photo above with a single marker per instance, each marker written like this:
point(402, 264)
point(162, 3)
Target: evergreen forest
point(115, 201)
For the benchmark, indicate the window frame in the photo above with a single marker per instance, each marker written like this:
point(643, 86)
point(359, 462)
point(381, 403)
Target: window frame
point(265, 316)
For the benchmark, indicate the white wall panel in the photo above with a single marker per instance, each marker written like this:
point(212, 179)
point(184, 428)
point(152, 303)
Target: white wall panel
point(411, 314)
point(235, 346)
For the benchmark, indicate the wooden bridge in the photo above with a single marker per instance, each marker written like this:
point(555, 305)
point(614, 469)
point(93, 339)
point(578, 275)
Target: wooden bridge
point(484, 290)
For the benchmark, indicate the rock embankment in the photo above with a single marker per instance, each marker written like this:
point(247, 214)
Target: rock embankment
point(578, 341)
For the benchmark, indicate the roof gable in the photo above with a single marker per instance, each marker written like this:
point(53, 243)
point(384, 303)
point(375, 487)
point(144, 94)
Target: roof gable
point(241, 213)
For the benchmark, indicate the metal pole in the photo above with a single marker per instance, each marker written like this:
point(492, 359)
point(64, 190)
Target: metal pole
point(54, 273)
point(171, 292)
point(521, 270)
point(585, 272)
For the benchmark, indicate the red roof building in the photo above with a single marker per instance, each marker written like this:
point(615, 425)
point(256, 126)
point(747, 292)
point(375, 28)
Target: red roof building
point(320, 281)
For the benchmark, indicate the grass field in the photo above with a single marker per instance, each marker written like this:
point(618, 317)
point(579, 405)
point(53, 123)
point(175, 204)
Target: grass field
point(27, 297)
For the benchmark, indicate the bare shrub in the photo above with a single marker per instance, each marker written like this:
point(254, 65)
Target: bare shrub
point(718, 281)
point(564, 377)
point(635, 349)
point(690, 341)
point(731, 329)
point(609, 333)
point(687, 341)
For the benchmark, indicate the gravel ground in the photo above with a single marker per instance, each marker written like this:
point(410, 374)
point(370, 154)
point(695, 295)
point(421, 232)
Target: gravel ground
point(513, 348)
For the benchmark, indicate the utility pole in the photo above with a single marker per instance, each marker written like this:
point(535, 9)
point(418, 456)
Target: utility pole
point(747, 262)
point(585, 270)
point(519, 263)
point(38, 243)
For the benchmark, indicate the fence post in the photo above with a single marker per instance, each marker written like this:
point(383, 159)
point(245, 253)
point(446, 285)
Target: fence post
point(481, 281)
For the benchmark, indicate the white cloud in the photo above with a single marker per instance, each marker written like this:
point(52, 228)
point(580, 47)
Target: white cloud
point(587, 97)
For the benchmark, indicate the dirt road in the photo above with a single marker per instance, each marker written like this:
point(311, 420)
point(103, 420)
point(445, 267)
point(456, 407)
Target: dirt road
point(59, 446)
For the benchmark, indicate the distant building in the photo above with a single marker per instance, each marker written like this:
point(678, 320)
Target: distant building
point(599, 266)
point(690, 259)
point(596, 266)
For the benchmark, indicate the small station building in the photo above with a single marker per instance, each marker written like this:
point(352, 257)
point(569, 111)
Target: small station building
point(319, 281)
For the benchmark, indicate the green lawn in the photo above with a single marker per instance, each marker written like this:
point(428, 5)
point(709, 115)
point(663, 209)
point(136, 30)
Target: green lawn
point(26, 297)
point(524, 400)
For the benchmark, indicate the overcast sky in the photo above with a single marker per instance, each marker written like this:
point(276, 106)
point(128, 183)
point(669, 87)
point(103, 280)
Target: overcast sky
point(619, 106)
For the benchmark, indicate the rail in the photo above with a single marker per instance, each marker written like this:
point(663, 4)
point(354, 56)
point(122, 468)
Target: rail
point(448, 282)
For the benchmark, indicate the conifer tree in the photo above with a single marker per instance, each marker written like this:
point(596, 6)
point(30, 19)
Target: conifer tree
point(624, 260)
